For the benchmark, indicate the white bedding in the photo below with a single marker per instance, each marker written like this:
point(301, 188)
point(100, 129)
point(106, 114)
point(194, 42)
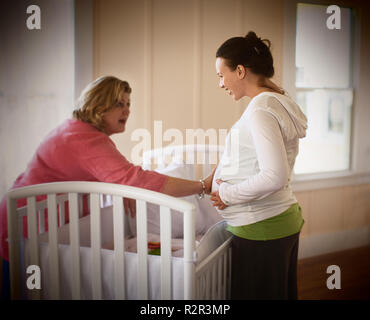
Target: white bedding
point(206, 244)
point(215, 236)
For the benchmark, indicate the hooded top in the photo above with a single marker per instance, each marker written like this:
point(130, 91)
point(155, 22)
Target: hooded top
point(258, 160)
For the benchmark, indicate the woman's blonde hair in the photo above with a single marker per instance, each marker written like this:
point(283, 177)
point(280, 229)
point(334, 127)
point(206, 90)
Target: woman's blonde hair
point(98, 97)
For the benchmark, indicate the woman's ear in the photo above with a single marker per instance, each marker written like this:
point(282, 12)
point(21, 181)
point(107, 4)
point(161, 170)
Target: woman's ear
point(241, 71)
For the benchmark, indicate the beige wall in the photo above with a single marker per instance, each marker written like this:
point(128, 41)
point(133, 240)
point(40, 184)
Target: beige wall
point(166, 50)
point(329, 210)
point(335, 219)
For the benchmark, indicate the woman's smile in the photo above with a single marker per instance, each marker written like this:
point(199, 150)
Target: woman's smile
point(228, 78)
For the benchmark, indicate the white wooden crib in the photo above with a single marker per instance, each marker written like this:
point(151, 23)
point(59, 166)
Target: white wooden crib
point(208, 278)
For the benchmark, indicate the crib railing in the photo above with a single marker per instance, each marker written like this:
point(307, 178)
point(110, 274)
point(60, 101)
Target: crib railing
point(54, 204)
point(213, 274)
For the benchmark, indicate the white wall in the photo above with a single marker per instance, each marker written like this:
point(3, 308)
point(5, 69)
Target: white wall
point(36, 80)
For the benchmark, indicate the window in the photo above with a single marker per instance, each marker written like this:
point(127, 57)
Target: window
point(323, 84)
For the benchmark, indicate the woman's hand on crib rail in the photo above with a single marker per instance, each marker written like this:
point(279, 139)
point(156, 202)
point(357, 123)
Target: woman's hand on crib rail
point(130, 206)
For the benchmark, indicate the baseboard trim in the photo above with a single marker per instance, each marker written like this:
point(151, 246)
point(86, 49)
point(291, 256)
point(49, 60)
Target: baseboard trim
point(315, 245)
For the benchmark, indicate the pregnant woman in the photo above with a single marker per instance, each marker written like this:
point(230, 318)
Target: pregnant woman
point(251, 185)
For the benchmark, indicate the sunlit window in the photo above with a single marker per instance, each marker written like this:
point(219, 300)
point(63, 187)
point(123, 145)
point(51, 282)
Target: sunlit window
point(324, 89)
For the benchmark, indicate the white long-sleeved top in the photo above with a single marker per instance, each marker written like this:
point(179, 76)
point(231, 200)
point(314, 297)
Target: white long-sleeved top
point(258, 160)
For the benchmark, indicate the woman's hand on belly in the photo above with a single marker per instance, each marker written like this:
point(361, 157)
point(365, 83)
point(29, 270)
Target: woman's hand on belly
point(217, 202)
point(215, 198)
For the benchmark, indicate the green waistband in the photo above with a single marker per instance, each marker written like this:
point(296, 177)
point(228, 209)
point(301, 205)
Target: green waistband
point(283, 225)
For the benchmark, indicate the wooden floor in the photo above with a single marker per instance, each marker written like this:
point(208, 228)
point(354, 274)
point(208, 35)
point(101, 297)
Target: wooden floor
point(354, 267)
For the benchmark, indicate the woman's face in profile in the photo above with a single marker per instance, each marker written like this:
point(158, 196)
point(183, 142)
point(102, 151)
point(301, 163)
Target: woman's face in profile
point(116, 118)
point(228, 79)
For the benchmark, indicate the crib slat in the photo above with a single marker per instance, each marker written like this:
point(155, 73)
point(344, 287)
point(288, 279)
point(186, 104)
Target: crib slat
point(189, 248)
point(32, 230)
point(229, 273)
point(80, 205)
point(224, 281)
point(33, 238)
point(14, 232)
point(61, 213)
point(75, 245)
point(142, 249)
point(53, 246)
point(119, 248)
point(41, 215)
point(214, 279)
point(21, 253)
point(166, 270)
point(219, 281)
point(96, 246)
point(208, 284)
point(204, 286)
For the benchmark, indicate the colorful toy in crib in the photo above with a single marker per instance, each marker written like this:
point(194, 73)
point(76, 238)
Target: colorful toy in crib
point(154, 248)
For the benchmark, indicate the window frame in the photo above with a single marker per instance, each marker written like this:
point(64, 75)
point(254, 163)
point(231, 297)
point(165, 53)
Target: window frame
point(354, 175)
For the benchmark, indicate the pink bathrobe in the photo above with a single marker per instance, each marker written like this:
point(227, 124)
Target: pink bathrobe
point(77, 151)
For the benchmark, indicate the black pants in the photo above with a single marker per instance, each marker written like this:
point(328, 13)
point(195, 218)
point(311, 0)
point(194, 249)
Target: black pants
point(264, 269)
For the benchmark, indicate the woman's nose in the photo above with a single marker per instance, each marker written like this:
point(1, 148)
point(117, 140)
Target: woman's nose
point(221, 84)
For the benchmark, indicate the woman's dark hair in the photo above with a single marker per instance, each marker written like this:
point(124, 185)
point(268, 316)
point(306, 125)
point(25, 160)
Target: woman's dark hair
point(249, 51)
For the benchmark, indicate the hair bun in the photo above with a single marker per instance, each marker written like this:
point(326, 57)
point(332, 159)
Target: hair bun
point(251, 36)
point(256, 41)
point(249, 51)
